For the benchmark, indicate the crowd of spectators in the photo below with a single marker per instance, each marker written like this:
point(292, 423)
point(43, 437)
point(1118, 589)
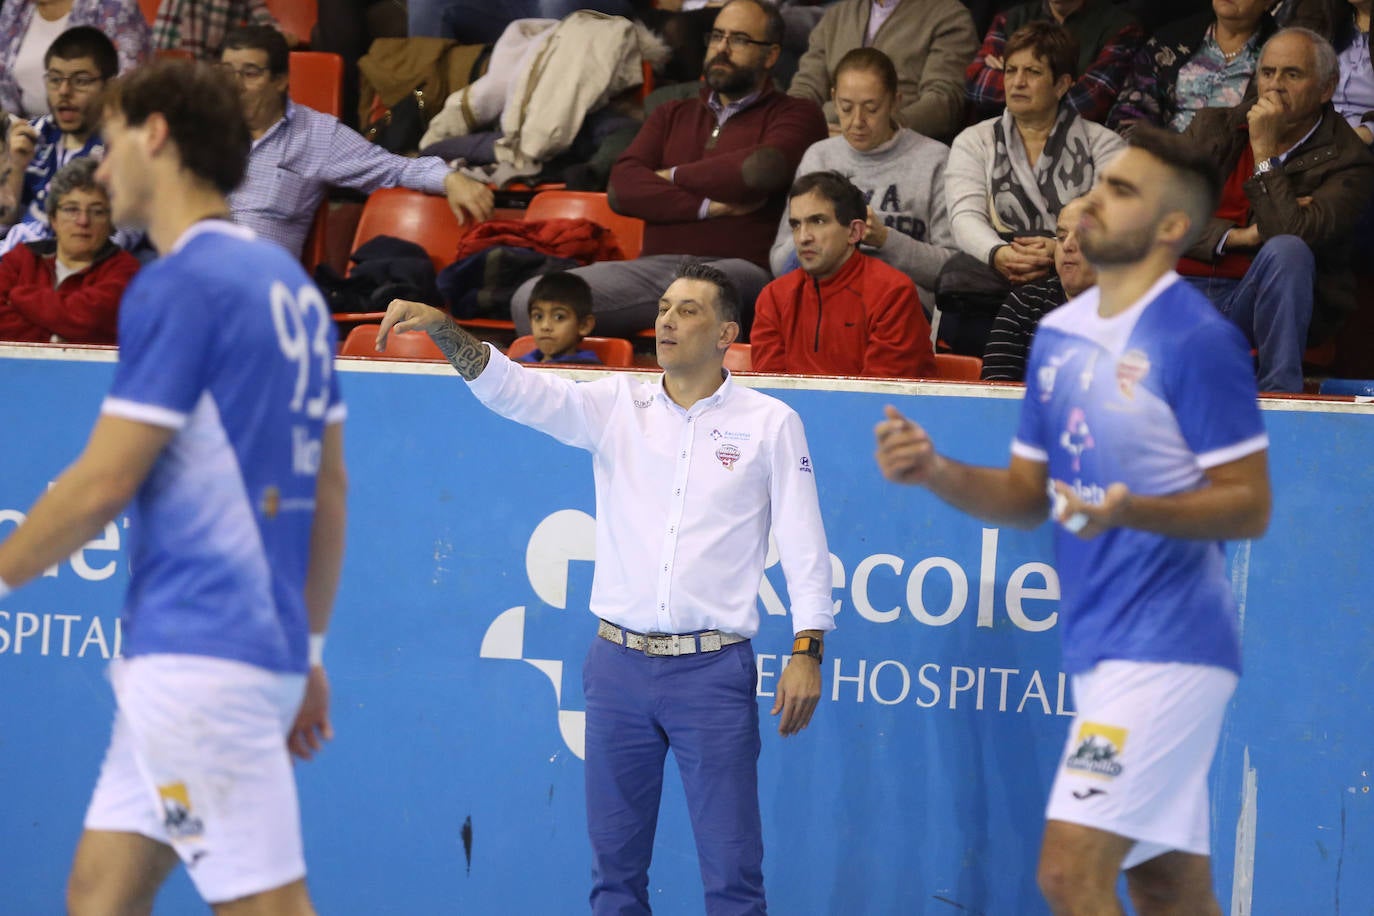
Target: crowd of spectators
point(858, 167)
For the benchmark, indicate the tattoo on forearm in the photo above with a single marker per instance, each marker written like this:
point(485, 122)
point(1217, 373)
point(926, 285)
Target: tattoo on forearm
point(465, 352)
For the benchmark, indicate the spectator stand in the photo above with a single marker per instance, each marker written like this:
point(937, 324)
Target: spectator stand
point(614, 352)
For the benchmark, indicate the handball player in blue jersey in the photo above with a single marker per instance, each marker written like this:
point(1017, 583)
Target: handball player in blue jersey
point(222, 433)
point(1141, 438)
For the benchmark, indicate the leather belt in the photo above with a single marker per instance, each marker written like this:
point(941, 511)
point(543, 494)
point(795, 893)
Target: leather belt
point(667, 644)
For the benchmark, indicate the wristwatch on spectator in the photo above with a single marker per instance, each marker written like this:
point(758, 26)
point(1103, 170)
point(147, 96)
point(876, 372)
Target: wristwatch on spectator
point(1267, 165)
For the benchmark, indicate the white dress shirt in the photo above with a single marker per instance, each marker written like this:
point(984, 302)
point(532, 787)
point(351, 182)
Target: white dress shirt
point(684, 498)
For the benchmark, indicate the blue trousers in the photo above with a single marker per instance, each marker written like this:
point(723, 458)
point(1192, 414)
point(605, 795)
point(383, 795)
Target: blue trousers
point(703, 707)
point(1272, 304)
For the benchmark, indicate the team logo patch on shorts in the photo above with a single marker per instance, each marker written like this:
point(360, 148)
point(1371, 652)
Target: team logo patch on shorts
point(177, 817)
point(1099, 747)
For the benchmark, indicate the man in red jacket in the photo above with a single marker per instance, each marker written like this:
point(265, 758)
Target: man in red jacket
point(67, 288)
point(708, 175)
point(842, 312)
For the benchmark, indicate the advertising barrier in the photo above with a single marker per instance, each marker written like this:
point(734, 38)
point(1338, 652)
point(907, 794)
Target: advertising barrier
point(454, 784)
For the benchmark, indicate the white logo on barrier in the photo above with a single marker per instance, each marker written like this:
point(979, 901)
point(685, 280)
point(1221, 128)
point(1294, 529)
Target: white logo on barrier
point(560, 539)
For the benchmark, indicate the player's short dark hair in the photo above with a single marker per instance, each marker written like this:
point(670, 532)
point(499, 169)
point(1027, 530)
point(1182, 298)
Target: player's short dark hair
point(840, 191)
point(85, 41)
point(774, 27)
point(1197, 183)
point(77, 175)
point(727, 294)
point(261, 38)
point(203, 113)
point(564, 288)
point(869, 60)
point(1048, 41)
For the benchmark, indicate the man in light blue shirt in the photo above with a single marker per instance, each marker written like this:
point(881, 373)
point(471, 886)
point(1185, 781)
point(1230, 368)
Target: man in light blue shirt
point(299, 153)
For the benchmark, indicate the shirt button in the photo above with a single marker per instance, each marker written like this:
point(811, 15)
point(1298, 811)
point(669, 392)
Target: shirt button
point(684, 454)
point(677, 492)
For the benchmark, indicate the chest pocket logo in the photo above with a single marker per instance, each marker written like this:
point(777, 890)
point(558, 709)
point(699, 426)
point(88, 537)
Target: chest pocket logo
point(727, 455)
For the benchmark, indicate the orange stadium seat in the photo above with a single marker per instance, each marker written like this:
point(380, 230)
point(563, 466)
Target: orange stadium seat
point(149, 8)
point(316, 81)
point(362, 341)
point(421, 218)
point(592, 205)
point(296, 16)
point(615, 352)
point(739, 358)
point(952, 367)
point(174, 54)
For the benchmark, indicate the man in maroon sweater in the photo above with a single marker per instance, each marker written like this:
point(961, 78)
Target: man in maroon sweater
point(842, 312)
point(708, 175)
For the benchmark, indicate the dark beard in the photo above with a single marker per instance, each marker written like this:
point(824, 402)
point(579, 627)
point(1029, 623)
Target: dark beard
point(731, 81)
point(1126, 249)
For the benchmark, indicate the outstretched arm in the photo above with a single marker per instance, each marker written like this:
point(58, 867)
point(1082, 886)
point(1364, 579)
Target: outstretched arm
point(465, 353)
point(1013, 495)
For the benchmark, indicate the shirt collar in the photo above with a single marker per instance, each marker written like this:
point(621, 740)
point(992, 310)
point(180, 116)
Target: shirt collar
point(715, 398)
point(288, 115)
point(714, 103)
point(1283, 156)
point(222, 226)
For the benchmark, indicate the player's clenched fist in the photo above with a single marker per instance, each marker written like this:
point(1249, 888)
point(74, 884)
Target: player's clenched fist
point(905, 453)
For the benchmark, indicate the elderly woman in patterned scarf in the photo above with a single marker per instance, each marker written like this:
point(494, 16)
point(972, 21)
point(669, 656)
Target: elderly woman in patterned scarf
point(1007, 177)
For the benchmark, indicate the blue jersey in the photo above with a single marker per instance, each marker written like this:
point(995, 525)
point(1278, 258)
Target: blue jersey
point(226, 341)
point(1151, 398)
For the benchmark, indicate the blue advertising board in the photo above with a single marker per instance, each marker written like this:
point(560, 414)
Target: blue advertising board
point(455, 781)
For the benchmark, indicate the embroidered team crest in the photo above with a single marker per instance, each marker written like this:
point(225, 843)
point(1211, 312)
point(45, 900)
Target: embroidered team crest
point(177, 817)
point(727, 455)
point(1131, 369)
point(1099, 750)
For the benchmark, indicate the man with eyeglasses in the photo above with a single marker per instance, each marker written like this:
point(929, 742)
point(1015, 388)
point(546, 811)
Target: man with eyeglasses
point(708, 175)
point(299, 153)
point(78, 63)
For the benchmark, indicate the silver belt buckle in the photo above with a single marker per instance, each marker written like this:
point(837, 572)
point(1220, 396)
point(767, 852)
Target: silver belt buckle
point(661, 645)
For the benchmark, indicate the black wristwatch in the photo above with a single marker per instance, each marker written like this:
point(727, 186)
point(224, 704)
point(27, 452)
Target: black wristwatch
point(809, 646)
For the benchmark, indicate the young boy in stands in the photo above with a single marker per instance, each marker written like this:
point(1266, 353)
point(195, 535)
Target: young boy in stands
point(560, 316)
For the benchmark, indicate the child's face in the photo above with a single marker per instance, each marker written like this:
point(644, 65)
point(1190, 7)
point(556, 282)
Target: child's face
point(556, 328)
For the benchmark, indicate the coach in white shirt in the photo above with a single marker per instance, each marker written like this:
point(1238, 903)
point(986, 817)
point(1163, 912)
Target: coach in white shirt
point(691, 472)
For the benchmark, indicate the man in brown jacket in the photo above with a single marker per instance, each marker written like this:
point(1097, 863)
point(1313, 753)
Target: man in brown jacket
point(930, 41)
point(1276, 256)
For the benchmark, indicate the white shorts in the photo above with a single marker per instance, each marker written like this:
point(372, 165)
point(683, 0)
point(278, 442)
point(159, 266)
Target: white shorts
point(198, 761)
point(1138, 752)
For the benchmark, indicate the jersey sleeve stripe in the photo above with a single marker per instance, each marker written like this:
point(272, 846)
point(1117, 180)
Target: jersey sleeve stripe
point(143, 413)
point(1233, 452)
point(1029, 452)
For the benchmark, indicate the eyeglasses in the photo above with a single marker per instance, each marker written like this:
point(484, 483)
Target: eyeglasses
point(249, 73)
point(76, 211)
point(737, 41)
point(80, 81)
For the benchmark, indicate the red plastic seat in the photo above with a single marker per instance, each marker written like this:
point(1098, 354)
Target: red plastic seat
point(952, 367)
point(421, 218)
point(316, 81)
point(739, 358)
point(149, 8)
point(296, 16)
point(362, 341)
point(592, 205)
point(615, 352)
